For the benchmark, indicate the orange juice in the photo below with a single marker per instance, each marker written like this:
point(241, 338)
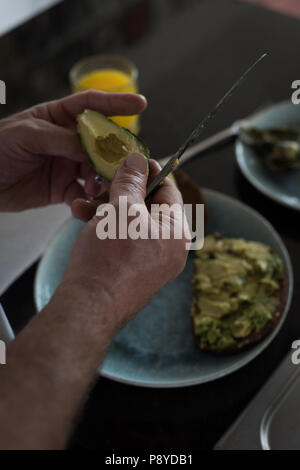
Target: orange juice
point(114, 81)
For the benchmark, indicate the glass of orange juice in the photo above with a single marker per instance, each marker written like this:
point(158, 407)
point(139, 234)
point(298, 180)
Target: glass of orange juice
point(107, 73)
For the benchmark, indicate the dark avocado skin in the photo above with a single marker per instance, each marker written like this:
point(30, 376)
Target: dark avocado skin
point(146, 148)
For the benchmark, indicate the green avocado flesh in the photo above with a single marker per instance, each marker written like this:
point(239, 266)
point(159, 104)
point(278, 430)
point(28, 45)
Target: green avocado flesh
point(236, 291)
point(106, 143)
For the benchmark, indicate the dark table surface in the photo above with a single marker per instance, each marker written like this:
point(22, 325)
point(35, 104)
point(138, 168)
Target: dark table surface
point(186, 64)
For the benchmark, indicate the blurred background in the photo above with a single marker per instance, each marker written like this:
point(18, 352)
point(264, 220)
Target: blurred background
point(40, 40)
point(37, 55)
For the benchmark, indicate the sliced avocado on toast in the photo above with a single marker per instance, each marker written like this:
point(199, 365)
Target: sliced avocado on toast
point(238, 294)
point(107, 143)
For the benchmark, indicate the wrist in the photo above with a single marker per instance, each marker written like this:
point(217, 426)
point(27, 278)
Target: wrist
point(92, 300)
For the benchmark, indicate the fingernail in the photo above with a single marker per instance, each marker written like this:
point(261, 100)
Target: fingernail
point(142, 96)
point(137, 162)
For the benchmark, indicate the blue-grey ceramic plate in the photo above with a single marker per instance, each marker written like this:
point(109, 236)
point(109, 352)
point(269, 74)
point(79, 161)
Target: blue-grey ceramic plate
point(283, 187)
point(156, 348)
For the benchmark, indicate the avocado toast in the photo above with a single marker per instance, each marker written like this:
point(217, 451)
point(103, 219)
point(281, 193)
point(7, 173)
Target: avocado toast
point(238, 294)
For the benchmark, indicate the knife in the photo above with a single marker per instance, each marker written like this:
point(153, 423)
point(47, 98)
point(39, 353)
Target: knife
point(174, 159)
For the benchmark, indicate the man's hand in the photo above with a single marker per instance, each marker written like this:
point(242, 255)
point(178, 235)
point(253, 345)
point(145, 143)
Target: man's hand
point(128, 271)
point(40, 154)
point(54, 359)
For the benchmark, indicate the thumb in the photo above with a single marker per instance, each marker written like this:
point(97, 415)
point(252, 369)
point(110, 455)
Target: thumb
point(130, 179)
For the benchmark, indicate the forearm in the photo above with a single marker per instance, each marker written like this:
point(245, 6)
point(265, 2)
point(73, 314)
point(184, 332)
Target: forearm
point(50, 366)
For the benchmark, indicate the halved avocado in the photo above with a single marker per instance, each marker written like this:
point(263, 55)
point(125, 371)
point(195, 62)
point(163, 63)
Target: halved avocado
point(107, 143)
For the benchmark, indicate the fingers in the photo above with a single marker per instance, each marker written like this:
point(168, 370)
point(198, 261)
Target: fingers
point(63, 181)
point(167, 192)
point(84, 209)
point(130, 179)
point(64, 111)
point(95, 186)
point(87, 171)
point(72, 192)
point(93, 182)
point(44, 138)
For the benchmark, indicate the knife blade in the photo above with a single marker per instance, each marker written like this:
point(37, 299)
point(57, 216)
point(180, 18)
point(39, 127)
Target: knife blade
point(174, 159)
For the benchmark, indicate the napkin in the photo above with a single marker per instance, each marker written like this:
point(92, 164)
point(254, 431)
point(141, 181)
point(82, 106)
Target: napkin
point(24, 236)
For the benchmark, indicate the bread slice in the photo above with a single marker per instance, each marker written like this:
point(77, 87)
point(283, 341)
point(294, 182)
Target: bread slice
point(191, 193)
point(255, 335)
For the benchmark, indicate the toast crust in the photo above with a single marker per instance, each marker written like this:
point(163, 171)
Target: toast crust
point(191, 193)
